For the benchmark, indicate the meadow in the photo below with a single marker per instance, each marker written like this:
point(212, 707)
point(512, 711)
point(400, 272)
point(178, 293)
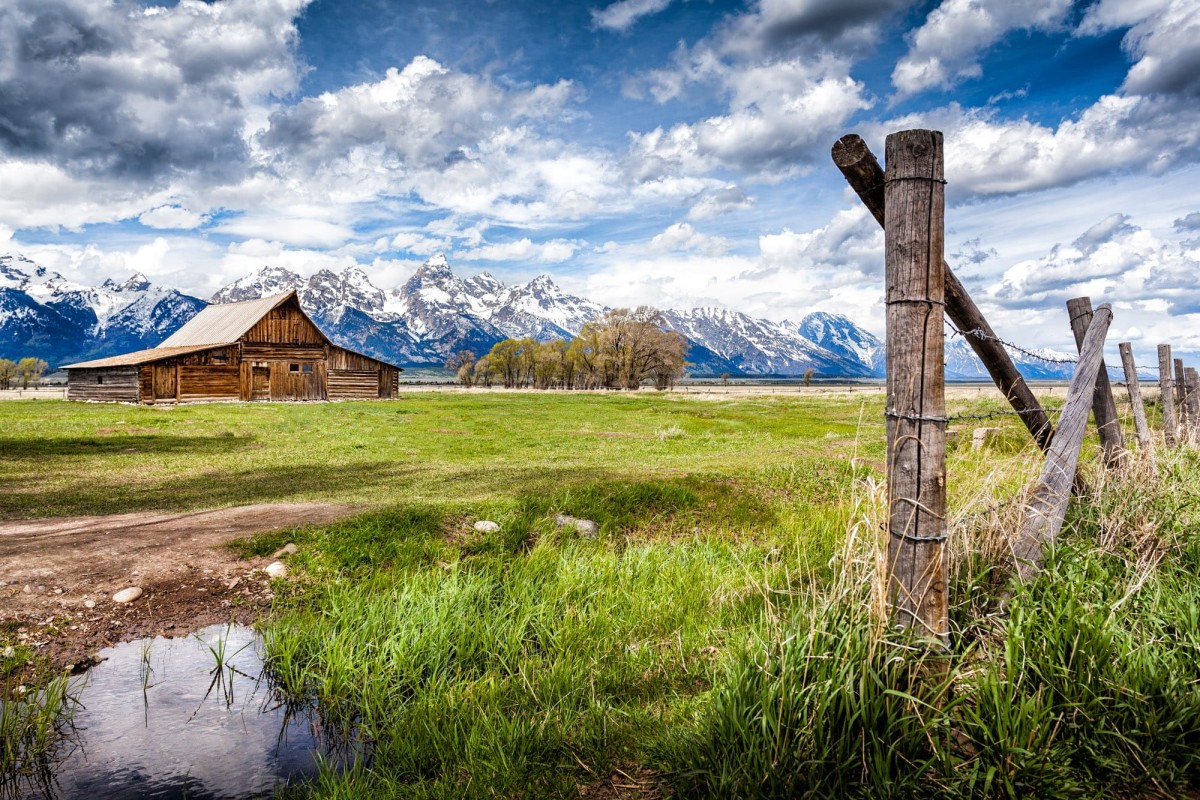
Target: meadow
point(720, 637)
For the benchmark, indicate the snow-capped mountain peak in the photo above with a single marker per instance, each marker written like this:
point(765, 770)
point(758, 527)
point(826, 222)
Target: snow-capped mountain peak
point(263, 282)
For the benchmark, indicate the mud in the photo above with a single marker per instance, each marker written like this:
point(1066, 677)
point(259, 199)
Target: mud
point(51, 569)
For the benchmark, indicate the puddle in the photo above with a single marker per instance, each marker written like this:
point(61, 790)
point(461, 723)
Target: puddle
point(158, 719)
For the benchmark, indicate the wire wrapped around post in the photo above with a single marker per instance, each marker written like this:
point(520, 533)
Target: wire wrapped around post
point(914, 238)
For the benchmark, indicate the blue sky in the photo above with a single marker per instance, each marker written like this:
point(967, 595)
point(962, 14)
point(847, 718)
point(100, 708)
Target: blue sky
point(667, 152)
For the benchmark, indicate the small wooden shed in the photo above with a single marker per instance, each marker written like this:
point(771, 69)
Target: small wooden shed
point(266, 349)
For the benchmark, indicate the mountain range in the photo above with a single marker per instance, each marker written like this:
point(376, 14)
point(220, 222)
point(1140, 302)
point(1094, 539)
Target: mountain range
point(434, 314)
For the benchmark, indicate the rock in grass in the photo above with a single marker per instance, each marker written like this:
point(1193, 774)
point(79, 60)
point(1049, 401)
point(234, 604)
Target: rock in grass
point(487, 526)
point(276, 569)
point(287, 550)
point(127, 595)
point(584, 526)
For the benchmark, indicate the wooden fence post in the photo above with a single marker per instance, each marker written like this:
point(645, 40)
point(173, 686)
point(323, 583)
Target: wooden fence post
point(862, 171)
point(1193, 401)
point(914, 239)
point(1103, 407)
point(1166, 397)
point(1135, 396)
point(1181, 398)
point(1048, 503)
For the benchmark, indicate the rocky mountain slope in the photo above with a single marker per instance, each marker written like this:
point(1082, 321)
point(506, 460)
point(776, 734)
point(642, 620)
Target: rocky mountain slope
point(434, 314)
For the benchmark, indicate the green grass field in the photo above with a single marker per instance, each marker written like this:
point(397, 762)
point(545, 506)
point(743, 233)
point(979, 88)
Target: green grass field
point(718, 638)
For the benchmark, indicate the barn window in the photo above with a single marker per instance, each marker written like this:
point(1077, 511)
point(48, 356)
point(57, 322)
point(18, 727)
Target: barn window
point(306, 368)
point(99, 379)
point(293, 367)
point(219, 358)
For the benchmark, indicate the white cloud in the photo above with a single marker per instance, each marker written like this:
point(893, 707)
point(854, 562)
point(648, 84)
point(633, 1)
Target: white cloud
point(988, 155)
point(552, 252)
point(621, 15)
point(945, 49)
point(313, 231)
point(172, 217)
point(683, 237)
point(1163, 41)
point(781, 115)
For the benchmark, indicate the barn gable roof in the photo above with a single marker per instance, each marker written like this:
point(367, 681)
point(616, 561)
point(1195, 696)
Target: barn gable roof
point(217, 325)
point(226, 322)
point(143, 356)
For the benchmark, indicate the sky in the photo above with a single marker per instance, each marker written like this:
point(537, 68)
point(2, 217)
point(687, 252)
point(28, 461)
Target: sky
point(665, 152)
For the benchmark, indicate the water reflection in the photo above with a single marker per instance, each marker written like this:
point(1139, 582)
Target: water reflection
point(183, 718)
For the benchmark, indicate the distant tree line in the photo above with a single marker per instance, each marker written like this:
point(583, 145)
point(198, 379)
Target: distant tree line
point(23, 372)
point(622, 350)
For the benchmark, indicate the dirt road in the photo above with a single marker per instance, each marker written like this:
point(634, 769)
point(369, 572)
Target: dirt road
point(57, 576)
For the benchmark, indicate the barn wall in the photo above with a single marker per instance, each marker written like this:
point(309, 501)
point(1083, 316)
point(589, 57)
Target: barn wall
point(209, 383)
point(288, 385)
point(112, 384)
point(286, 324)
point(348, 384)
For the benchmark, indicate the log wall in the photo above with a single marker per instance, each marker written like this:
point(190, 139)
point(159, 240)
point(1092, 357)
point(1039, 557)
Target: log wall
point(198, 383)
point(110, 384)
point(348, 384)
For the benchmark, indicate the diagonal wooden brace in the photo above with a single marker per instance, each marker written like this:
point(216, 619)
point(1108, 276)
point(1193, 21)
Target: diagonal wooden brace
point(865, 176)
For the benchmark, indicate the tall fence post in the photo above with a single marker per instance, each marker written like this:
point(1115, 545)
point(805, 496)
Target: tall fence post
point(864, 175)
point(1166, 398)
point(1048, 503)
point(1103, 406)
point(1181, 399)
point(1193, 402)
point(1135, 396)
point(914, 242)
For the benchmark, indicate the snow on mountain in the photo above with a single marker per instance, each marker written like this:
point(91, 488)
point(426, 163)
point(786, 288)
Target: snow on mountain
point(263, 282)
point(43, 312)
point(542, 299)
point(434, 314)
point(759, 346)
point(838, 334)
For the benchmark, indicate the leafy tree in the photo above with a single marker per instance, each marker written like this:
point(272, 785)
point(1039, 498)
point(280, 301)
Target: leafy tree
point(483, 373)
point(463, 363)
point(8, 372)
point(30, 370)
point(808, 376)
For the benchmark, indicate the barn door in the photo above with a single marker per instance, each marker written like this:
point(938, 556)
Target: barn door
point(165, 384)
point(260, 384)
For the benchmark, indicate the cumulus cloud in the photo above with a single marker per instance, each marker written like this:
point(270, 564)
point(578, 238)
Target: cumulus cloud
point(683, 237)
point(112, 90)
point(989, 155)
point(945, 49)
point(1189, 223)
point(1163, 41)
point(780, 116)
point(552, 252)
point(168, 217)
point(846, 26)
point(621, 16)
point(1113, 260)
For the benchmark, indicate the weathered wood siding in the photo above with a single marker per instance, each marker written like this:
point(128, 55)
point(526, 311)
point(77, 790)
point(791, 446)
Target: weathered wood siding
point(282, 352)
point(112, 384)
point(208, 383)
point(347, 384)
point(288, 385)
point(286, 324)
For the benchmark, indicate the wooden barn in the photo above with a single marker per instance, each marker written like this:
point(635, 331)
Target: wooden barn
point(265, 349)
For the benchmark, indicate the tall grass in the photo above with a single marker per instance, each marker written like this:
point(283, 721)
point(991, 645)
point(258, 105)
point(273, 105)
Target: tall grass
point(33, 724)
point(1089, 686)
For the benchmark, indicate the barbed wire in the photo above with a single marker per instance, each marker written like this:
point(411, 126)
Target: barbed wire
point(979, 333)
point(1008, 412)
